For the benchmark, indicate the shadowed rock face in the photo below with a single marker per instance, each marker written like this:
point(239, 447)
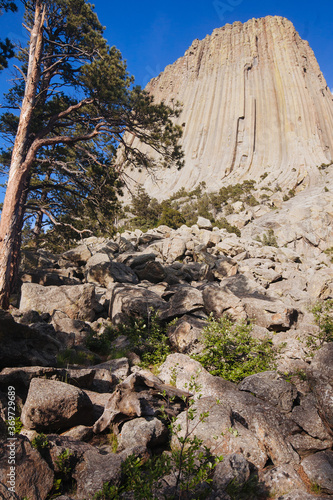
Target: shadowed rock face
point(254, 101)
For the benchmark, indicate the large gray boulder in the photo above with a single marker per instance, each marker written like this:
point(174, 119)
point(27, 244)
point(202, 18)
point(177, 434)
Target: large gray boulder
point(321, 381)
point(106, 273)
point(25, 346)
point(142, 433)
point(184, 300)
point(129, 300)
point(53, 405)
point(319, 470)
point(271, 387)
point(219, 302)
point(90, 467)
point(77, 301)
point(186, 334)
point(218, 431)
point(33, 476)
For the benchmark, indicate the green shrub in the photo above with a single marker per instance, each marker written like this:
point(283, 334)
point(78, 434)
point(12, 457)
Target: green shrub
point(329, 252)
point(17, 425)
point(224, 224)
point(323, 316)
point(231, 352)
point(190, 462)
point(268, 239)
point(76, 357)
point(147, 337)
point(171, 217)
point(40, 442)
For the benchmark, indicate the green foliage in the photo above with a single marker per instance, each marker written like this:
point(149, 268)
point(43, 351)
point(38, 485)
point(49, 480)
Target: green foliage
point(268, 239)
point(84, 102)
point(76, 357)
point(231, 352)
point(247, 491)
point(17, 425)
point(171, 217)
point(329, 252)
point(224, 224)
point(148, 213)
point(147, 337)
point(191, 464)
point(63, 481)
point(323, 316)
point(6, 47)
point(40, 442)
point(146, 210)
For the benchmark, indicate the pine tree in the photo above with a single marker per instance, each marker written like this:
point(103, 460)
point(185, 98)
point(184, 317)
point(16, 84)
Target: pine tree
point(6, 46)
point(75, 93)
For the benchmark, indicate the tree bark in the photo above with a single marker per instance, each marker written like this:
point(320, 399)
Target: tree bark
point(13, 209)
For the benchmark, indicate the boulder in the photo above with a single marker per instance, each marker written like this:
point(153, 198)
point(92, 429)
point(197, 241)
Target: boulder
point(33, 476)
point(234, 468)
point(307, 417)
point(106, 273)
point(77, 301)
point(90, 467)
point(277, 480)
point(22, 345)
point(271, 387)
point(218, 431)
point(151, 271)
point(321, 382)
point(269, 313)
point(185, 335)
point(140, 395)
point(129, 300)
point(319, 470)
point(78, 255)
point(142, 433)
point(219, 302)
point(225, 266)
point(53, 405)
point(184, 300)
point(79, 433)
point(173, 249)
point(181, 370)
point(75, 328)
point(204, 223)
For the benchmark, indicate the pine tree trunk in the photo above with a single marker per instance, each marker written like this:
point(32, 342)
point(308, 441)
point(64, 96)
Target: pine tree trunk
point(13, 209)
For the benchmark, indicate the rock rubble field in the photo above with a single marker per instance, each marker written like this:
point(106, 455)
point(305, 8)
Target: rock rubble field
point(82, 413)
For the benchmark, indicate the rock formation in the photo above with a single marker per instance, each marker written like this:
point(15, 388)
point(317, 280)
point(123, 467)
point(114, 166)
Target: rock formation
point(276, 426)
point(254, 101)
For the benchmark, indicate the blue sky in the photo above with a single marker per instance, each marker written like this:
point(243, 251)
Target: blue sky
point(153, 34)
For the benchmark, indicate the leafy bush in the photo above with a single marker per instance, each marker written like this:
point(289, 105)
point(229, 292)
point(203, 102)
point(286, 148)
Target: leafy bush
point(147, 337)
point(329, 252)
point(231, 352)
point(17, 425)
point(268, 239)
point(191, 464)
point(40, 442)
point(76, 357)
point(323, 316)
point(224, 224)
point(171, 217)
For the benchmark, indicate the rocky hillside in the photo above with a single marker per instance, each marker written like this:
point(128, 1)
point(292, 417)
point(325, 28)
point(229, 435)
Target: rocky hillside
point(254, 102)
point(82, 348)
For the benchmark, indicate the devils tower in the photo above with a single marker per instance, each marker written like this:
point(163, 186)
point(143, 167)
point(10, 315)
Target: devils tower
point(254, 103)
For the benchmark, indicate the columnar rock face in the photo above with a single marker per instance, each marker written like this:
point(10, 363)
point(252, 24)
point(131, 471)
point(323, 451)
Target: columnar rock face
point(254, 102)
